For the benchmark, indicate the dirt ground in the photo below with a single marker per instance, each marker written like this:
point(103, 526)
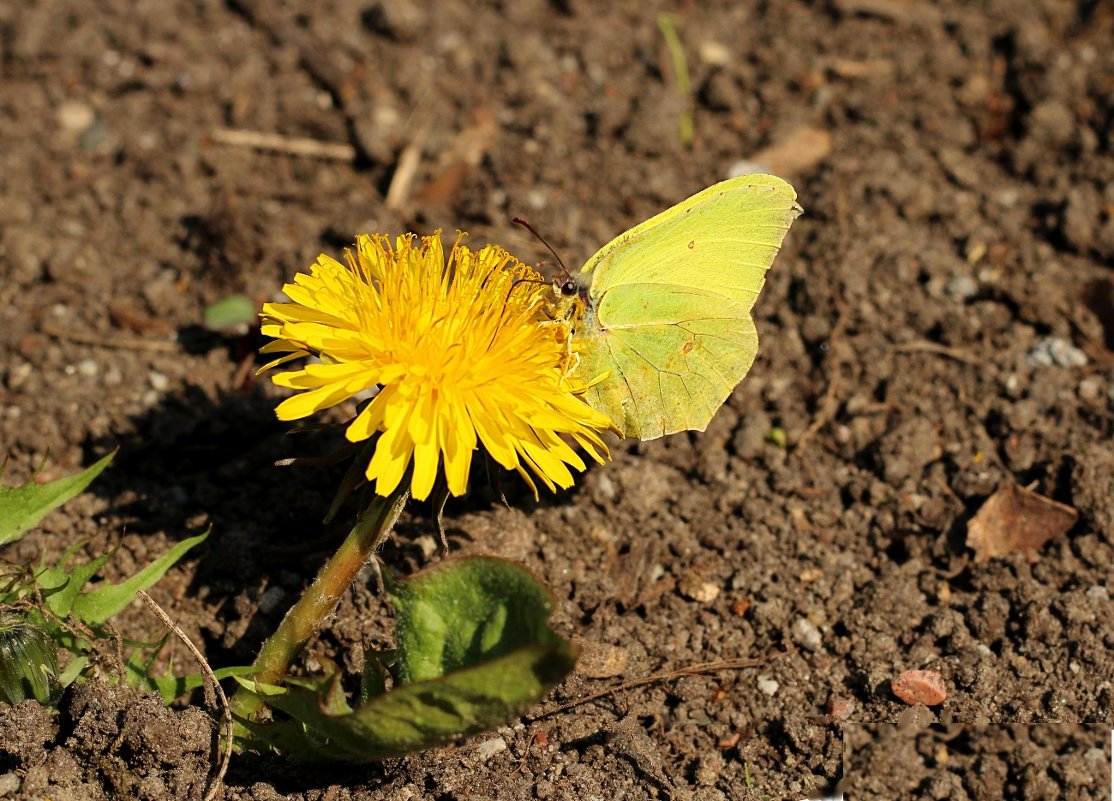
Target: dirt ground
point(940, 321)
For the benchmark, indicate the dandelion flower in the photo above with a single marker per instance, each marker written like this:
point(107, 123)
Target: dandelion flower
point(463, 353)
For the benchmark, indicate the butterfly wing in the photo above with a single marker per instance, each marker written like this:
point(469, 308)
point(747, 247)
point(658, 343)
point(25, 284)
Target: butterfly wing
point(668, 313)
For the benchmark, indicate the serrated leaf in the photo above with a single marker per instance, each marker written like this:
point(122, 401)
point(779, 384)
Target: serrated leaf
point(21, 508)
point(102, 603)
point(474, 647)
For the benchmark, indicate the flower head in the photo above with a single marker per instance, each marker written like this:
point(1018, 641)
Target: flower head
point(461, 351)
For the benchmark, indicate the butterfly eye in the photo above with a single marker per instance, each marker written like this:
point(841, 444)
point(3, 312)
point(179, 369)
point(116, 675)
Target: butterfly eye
point(568, 289)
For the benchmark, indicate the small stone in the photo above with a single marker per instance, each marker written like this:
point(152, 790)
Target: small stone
point(489, 748)
point(714, 54)
point(605, 485)
point(840, 708)
point(920, 687)
point(962, 287)
point(768, 685)
point(1097, 593)
point(75, 116)
point(1058, 352)
point(537, 199)
point(1092, 389)
point(9, 783)
point(704, 592)
point(1096, 755)
point(18, 374)
point(806, 635)
point(158, 381)
point(269, 601)
point(428, 545)
point(87, 368)
point(601, 660)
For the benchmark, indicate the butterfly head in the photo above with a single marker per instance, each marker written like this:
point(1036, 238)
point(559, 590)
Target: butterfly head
point(569, 300)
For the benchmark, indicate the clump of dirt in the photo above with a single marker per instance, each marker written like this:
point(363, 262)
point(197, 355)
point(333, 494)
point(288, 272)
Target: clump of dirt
point(107, 742)
point(969, 762)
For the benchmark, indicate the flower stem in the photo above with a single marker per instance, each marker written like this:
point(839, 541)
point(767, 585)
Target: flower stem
point(321, 598)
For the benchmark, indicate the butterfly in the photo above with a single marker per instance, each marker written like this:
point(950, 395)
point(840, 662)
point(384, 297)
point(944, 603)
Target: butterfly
point(660, 316)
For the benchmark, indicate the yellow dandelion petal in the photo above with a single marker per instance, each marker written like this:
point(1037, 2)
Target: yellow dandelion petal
point(463, 348)
point(370, 420)
point(299, 406)
point(427, 457)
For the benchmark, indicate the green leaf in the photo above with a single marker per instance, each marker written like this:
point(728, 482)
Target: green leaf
point(474, 649)
point(171, 687)
point(230, 312)
point(461, 611)
point(373, 680)
point(21, 508)
point(102, 603)
point(72, 670)
point(61, 595)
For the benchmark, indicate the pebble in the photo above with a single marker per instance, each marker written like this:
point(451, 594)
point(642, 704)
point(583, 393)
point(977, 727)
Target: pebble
point(806, 635)
point(1098, 593)
point(19, 374)
point(605, 486)
point(1056, 351)
point(1091, 389)
point(269, 601)
point(73, 115)
point(9, 783)
point(489, 748)
point(703, 592)
point(920, 687)
point(962, 287)
point(841, 708)
point(600, 660)
point(768, 685)
point(87, 368)
point(537, 199)
point(158, 381)
point(1097, 755)
point(714, 54)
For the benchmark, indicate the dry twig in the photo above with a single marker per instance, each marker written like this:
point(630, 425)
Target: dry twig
point(924, 346)
point(289, 145)
point(738, 663)
point(210, 677)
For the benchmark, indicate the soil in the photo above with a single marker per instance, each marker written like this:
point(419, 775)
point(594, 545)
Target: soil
point(940, 322)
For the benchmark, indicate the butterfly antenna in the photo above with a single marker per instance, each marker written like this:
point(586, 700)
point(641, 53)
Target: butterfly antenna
point(540, 238)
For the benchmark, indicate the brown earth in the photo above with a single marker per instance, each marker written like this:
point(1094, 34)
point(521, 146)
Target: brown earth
point(939, 322)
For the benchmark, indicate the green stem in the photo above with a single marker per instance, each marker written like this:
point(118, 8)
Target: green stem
point(321, 598)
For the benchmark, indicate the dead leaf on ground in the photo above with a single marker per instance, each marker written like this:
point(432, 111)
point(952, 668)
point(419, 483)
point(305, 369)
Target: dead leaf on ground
point(799, 151)
point(1015, 519)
